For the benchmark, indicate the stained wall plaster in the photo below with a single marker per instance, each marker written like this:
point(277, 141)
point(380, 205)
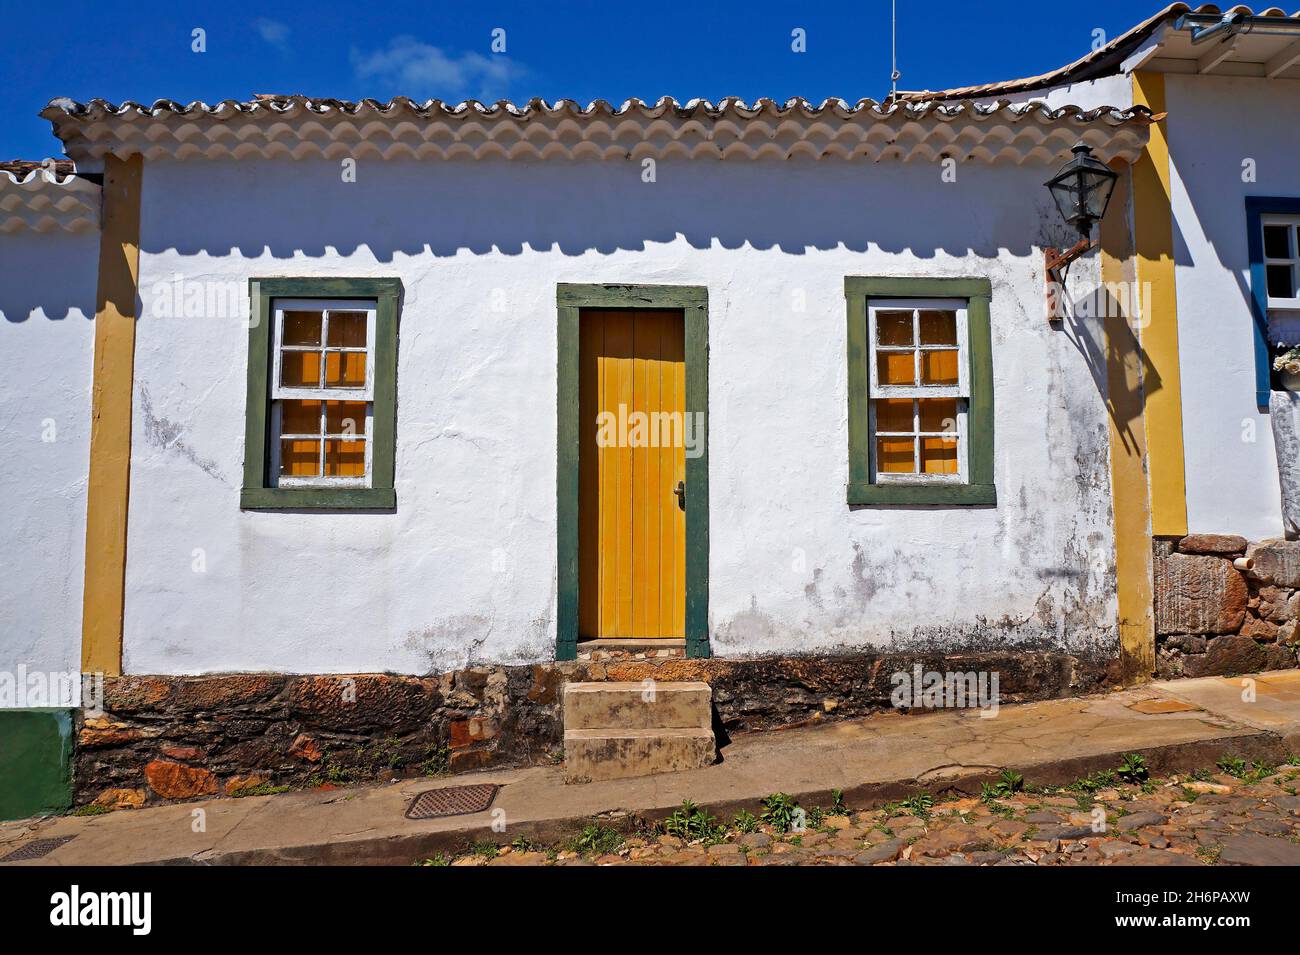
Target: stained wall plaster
point(463, 571)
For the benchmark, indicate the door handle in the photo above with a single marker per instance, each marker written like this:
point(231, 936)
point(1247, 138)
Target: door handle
point(680, 491)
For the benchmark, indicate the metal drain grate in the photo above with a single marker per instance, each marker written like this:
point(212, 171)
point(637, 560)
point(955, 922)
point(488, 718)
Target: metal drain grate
point(453, 801)
point(36, 849)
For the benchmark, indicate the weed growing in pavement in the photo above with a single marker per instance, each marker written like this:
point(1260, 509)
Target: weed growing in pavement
point(779, 811)
point(1234, 766)
point(1133, 768)
point(690, 822)
point(1098, 781)
point(919, 805)
point(595, 839)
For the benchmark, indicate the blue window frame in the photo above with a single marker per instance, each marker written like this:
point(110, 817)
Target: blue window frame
point(1257, 209)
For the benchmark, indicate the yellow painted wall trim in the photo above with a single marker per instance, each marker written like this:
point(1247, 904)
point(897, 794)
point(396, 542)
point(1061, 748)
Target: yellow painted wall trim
point(110, 426)
point(1153, 236)
point(1128, 440)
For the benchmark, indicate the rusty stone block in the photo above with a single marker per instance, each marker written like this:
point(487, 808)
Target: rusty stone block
point(176, 781)
point(1278, 604)
point(545, 685)
point(172, 751)
point(467, 759)
point(473, 730)
point(459, 734)
point(363, 702)
point(1212, 544)
point(217, 692)
point(98, 731)
point(304, 747)
point(472, 683)
point(1235, 654)
point(1276, 561)
point(1258, 629)
point(132, 694)
point(120, 798)
point(1195, 594)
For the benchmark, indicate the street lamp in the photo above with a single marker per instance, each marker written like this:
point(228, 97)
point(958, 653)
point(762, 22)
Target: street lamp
point(1081, 190)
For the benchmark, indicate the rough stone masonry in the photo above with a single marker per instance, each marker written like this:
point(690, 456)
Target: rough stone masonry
point(1213, 618)
point(167, 737)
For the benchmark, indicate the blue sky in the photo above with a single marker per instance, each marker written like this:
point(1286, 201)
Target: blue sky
point(581, 50)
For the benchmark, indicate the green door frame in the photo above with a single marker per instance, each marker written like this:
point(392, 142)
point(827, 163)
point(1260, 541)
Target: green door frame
point(693, 300)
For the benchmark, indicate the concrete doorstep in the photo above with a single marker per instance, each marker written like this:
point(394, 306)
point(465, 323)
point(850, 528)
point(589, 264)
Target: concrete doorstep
point(1178, 726)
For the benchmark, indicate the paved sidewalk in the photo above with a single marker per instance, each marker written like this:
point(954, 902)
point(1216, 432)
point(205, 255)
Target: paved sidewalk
point(1178, 726)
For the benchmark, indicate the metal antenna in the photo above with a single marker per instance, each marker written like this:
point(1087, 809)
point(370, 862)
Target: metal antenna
point(893, 50)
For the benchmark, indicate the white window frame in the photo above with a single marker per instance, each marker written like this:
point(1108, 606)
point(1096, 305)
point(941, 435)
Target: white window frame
point(960, 391)
point(1293, 222)
point(280, 392)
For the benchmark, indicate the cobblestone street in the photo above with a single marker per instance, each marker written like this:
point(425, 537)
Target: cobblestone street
point(1241, 816)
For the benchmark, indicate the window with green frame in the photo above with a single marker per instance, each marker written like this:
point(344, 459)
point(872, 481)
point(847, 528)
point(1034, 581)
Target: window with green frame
point(920, 372)
point(322, 394)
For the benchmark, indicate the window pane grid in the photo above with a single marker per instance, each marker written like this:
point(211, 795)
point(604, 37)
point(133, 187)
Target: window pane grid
point(314, 344)
point(919, 390)
point(1282, 259)
point(321, 406)
point(933, 450)
point(337, 446)
point(916, 348)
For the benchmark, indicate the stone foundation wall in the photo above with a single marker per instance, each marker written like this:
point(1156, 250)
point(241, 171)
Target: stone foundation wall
point(1225, 606)
point(166, 738)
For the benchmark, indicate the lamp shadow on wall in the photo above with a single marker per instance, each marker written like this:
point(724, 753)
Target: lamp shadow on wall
point(1104, 335)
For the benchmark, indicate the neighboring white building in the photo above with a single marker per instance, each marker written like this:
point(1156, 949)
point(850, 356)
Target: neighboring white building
point(1230, 84)
point(49, 252)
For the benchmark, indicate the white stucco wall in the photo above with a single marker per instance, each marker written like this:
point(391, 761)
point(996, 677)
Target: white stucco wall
point(1214, 124)
point(47, 310)
point(792, 567)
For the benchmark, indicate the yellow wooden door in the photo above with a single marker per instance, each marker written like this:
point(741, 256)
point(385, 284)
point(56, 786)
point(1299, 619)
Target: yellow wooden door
point(632, 525)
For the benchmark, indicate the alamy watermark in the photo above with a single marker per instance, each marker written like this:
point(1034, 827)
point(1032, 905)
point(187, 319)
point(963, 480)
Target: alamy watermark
point(932, 689)
point(199, 298)
point(651, 429)
point(22, 688)
point(76, 907)
point(1126, 300)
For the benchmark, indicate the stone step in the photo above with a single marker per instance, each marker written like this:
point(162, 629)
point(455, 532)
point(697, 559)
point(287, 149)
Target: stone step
point(597, 754)
point(631, 705)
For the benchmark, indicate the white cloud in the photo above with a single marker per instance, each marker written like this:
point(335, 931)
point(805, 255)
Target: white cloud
point(273, 32)
point(410, 67)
